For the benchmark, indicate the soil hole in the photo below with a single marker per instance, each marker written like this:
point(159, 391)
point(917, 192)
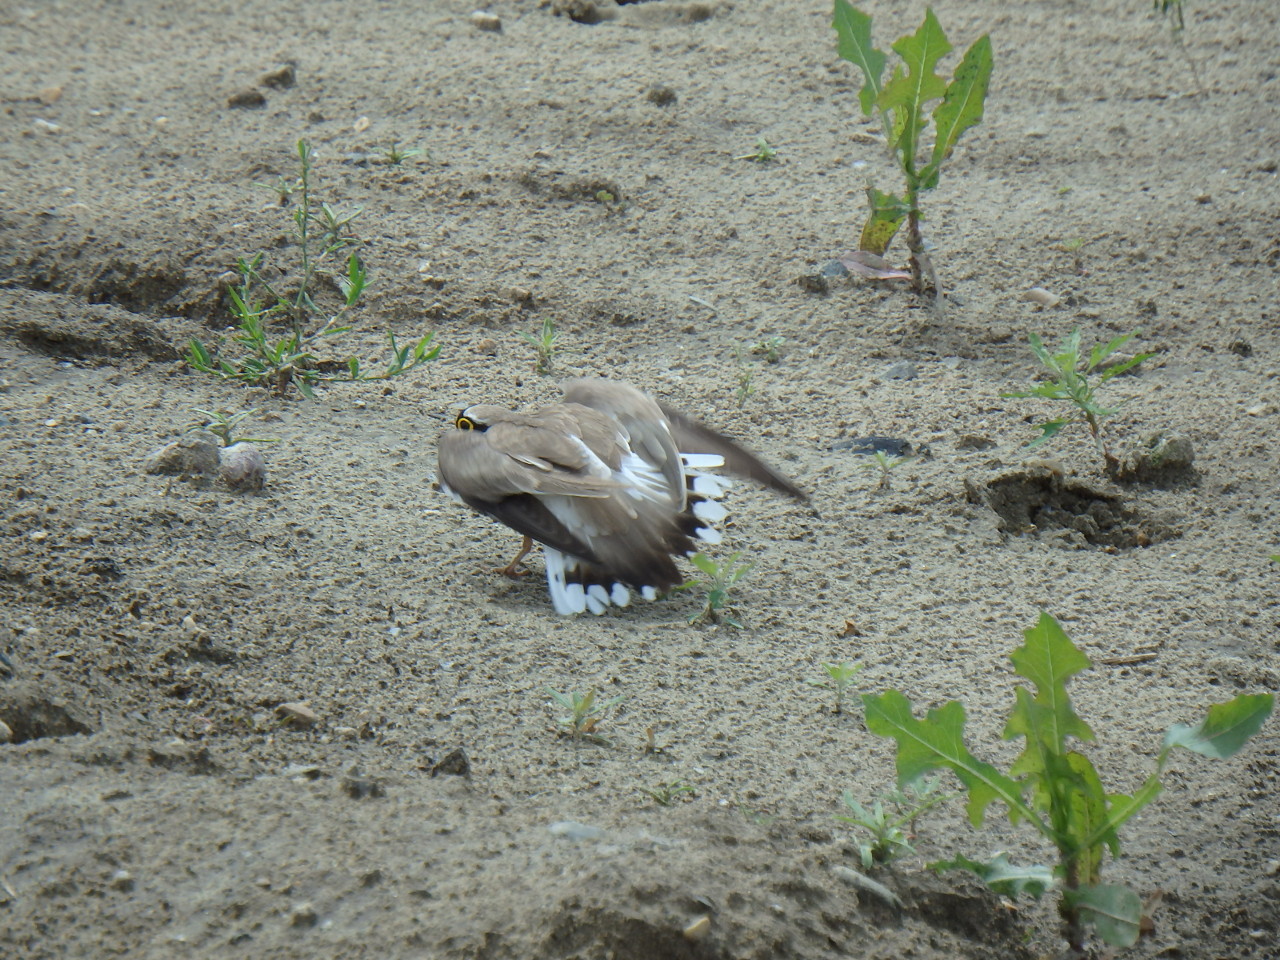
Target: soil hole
point(32, 715)
point(1041, 501)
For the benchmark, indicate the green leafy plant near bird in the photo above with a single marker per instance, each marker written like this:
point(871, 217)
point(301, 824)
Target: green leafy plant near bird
point(901, 102)
point(1052, 786)
point(1075, 379)
point(717, 581)
point(261, 357)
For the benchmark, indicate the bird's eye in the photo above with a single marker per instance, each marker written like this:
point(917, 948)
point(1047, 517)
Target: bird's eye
point(465, 423)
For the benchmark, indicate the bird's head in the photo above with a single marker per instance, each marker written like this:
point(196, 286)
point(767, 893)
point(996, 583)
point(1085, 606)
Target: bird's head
point(479, 417)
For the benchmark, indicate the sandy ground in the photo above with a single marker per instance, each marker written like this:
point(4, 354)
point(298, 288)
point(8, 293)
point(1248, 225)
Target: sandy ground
point(156, 805)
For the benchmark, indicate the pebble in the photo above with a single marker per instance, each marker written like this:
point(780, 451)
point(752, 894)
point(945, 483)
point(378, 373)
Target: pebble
point(1042, 296)
point(248, 98)
point(488, 347)
point(698, 929)
point(489, 22)
point(190, 456)
point(282, 76)
point(45, 126)
point(299, 714)
point(902, 370)
point(303, 915)
point(242, 467)
point(6, 733)
point(121, 880)
point(575, 831)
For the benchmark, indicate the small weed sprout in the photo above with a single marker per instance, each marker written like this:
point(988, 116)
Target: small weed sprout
point(224, 425)
point(884, 465)
point(1052, 786)
point(395, 156)
point(763, 153)
point(888, 840)
point(718, 580)
point(900, 103)
point(544, 345)
point(665, 794)
point(839, 678)
point(746, 379)
point(584, 714)
point(1073, 380)
point(769, 349)
point(1074, 246)
point(321, 234)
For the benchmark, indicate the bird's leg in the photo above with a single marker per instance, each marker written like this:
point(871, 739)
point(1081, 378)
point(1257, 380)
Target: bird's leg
point(515, 569)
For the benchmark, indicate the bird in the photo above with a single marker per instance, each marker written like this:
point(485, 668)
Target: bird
point(610, 481)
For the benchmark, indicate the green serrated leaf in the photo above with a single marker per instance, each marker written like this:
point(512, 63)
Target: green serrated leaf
point(906, 94)
point(1226, 729)
point(887, 214)
point(1123, 367)
point(937, 742)
point(853, 43)
point(1049, 659)
point(1114, 911)
point(961, 106)
point(1049, 431)
point(1003, 877)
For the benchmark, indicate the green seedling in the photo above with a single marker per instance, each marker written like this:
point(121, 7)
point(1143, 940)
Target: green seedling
point(1072, 378)
point(889, 840)
point(746, 379)
point(1171, 10)
point(839, 678)
point(763, 152)
point(719, 579)
point(884, 465)
point(322, 236)
point(396, 156)
point(544, 345)
point(1051, 786)
point(900, 102)
point(584, 714)
point(665, 794)
point(1074, 246)
point(770, 349)
point(224, 425)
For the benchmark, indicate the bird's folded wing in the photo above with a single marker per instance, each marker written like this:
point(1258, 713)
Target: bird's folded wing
point(642, 418)
point(474, 466)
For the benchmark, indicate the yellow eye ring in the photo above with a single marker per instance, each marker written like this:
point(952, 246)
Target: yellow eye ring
point(464, 423)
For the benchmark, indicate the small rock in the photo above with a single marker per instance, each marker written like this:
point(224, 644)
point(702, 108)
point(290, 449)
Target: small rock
point(297, 714)
point(902, 370)
point(121, 880)
point(1158, 457)
point(660, 95)
point(249, 98)
point(834, 270)
point(302, 771)
point(6, 733)
point(359, 787)
point(1271, 868)
point(1260, 409)
point(455, 762)
point(50, 95)
point(191, 456)
point(483, 20)
point(815, 283)
point(575, 831)
point(45, 126)
point(242, 467)
point(1042, 296)
point(698, 929)
point(281, 77)
point(488, 347)
point(303, 915)
point(361, 125)
point(521, 295)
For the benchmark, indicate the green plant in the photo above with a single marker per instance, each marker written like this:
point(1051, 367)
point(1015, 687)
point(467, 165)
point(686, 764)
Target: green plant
point(763, 152)
point(1051, 786)
point(888, 840)
point(584, 714)
point(544, 344)
point(885, 465)
point(263, 359)
point(665, 794)
point(1172, 11)
point(395, 156)
point(1074, 246)
point(838, 680)
point(770, 348)
point(746, 379)
point(1072, 380)
point(900, 103)
point(718, 580)
point(223, 425)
